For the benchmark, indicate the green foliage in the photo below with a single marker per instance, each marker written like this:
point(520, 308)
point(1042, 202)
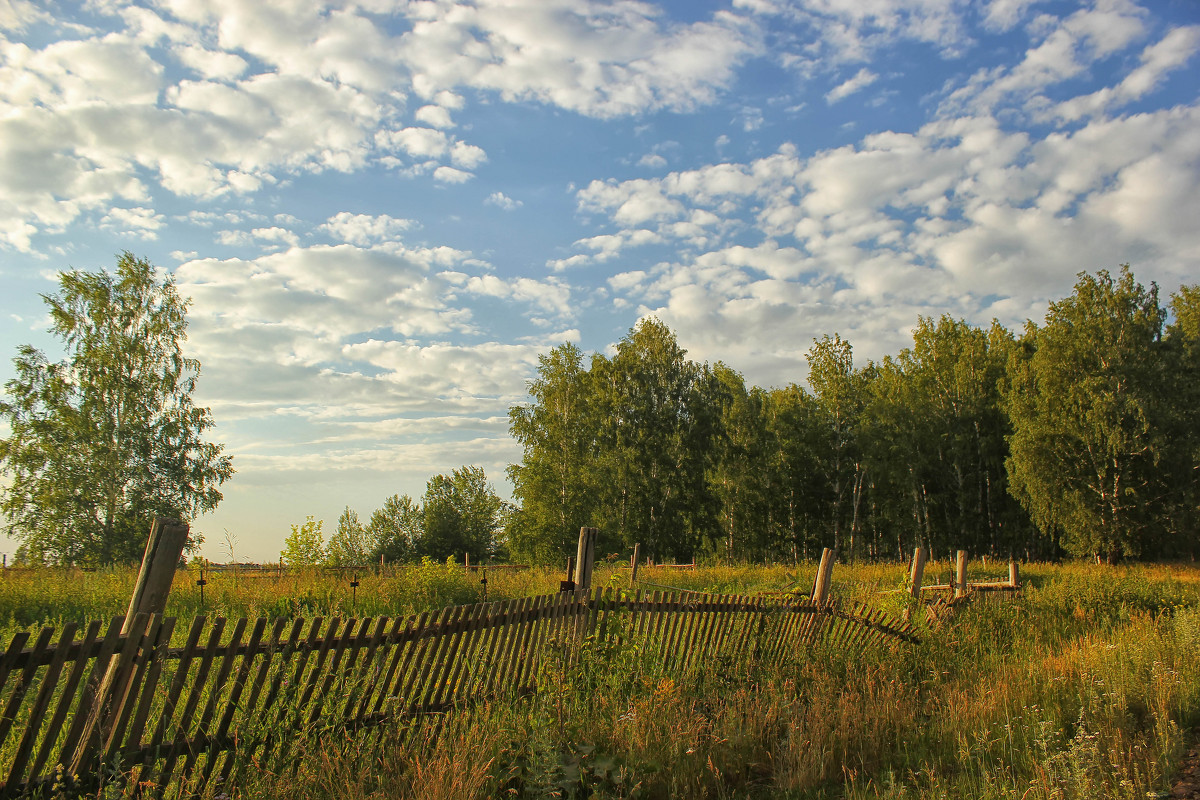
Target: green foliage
point(1084, 435)
point(554, 481)
point(461, 514)
point(350, 543)
point(1087, 410)
point(305, 545)
point(101, 442)
point(395, 529)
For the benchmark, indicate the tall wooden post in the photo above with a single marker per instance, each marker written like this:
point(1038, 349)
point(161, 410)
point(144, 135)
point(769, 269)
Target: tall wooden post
point(1014, 574)
point(917, 573)
point(637, 556)
point(960, 575)
point(585, 558)
point(820, 592)
point(159, 562)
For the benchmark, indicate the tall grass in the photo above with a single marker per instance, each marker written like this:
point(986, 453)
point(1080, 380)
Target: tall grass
point(1081, 688)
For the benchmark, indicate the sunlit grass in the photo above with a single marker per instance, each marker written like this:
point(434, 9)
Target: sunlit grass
point(1084, 686)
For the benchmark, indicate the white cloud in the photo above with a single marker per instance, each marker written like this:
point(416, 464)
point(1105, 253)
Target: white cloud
point(1067, 49)
point(599, 60)
point(451, 175)
point(365, 229)
point(213, 64)
point(434, 117)
point(467, 156)
point(503, 201)
point(142, 222)
point(861, 80)
point(652, 161)
point(960, 217)
point(1171, 53)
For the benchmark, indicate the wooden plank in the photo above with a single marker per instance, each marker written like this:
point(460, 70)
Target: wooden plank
point(127, 704)
point(526, 645)
point(485, 662)
point(363, 683)
point(448, 638)
point(179, 680)
point(202, 741)
point(40, 705)
point(217, 744)
point(12, 655)
point(402, 648)
point(179, 741)
point(284, 690)
point(40, 647)
point(332, 673)
point(512, 613)
point(500, 681)
point(73, 744)
point(65, 699)
point(271, 653)
point(431, 642)
point(157, 656)
point(472, 634)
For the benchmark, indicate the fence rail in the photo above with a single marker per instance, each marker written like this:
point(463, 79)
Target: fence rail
point(174, 719)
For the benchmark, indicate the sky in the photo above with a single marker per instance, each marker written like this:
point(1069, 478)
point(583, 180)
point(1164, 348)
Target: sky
point(385, 211)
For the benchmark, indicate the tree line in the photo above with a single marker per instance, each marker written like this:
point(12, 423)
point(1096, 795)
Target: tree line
point(1079, 436)
point(460, 514)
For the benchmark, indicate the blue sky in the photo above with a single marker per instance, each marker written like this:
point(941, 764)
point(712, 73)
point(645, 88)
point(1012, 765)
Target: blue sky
point(384, 211)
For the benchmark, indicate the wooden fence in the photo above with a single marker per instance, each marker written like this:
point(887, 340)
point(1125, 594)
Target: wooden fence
point(172, 712)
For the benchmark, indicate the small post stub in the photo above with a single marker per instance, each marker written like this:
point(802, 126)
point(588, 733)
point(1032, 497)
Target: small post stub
point(820, 592)
point(585, 558)
point(1014, 574)
point(637, 556)
point(960, 574)
point(917, 573)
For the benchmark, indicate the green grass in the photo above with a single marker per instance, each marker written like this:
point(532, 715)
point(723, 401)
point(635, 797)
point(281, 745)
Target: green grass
point(1085, 686)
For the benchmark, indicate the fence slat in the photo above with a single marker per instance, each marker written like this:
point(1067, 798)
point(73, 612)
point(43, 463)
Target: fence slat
point(40, 704)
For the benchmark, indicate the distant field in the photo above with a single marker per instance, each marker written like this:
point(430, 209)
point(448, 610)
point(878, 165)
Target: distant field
point(1085, 686)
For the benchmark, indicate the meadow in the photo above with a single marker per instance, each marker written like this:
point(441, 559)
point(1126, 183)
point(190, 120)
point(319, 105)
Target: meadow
point(1086, 685)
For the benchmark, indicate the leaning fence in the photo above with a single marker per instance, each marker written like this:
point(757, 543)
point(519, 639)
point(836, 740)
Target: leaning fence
point(87, 706)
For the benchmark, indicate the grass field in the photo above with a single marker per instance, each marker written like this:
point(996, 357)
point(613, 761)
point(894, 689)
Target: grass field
point(1085, 686)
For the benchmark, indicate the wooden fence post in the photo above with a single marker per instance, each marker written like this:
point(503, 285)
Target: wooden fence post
point(960, 575)
point(637, 556)
point(918, 571)
point(1014, 574)
point(820, 592)
point(159, 562)
point(585, 558)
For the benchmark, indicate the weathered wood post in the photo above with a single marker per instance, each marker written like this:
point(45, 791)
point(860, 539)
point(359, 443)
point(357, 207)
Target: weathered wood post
point(820, 592)
point(1014, 574)
point(585, 558)
point(960, 575)
point(917, 573)
point(637, 556)
point(159, 562)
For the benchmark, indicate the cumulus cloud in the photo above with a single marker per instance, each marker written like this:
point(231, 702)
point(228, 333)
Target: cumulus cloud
point(365, 229)
point(142, 222)
point(961, 215)
point(502, 201)
point(105, 115)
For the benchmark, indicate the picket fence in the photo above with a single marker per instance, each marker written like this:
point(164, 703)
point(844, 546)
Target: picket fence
point(87, 708)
